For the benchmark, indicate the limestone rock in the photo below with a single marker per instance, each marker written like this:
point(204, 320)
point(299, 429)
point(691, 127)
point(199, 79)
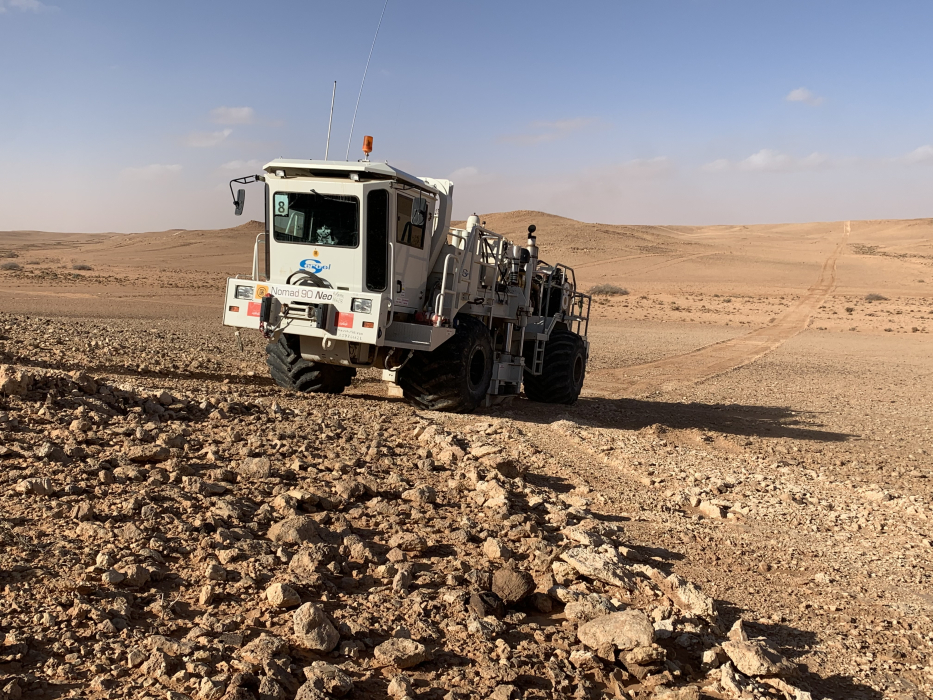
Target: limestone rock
point(282, 596)
point(329, 678)
point(621, 630)
point(313, 629)
point(294, 530)
point(599, 564)
point(401, 653)
point(148, 453)
point(757, 658)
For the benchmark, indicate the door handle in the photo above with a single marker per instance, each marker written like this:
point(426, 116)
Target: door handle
point(398, 286)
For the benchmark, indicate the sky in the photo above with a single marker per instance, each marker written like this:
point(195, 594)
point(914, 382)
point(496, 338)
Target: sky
point(133, 116)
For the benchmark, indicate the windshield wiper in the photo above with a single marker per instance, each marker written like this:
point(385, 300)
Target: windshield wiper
point(331, 197)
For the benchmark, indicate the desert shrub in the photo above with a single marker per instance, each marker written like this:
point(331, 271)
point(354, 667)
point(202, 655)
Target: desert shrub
point(727, 300)
point(875, 297)
point(81, 266)
point(10, 266)
point(850, 309)
point(608, 290)
point(11, 254)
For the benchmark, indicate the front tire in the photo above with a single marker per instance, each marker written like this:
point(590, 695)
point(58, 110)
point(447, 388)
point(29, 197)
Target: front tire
point(455, 377)
point(291, 371)
point(561, 378)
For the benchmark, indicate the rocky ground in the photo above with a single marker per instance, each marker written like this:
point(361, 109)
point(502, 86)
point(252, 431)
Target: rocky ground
point(163, 537)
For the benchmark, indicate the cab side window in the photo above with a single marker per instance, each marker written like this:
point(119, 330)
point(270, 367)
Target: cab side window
point(410, 221)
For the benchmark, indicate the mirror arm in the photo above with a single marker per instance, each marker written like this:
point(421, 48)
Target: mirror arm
point(242, 181)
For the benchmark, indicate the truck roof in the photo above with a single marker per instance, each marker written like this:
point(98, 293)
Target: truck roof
point(335, 168)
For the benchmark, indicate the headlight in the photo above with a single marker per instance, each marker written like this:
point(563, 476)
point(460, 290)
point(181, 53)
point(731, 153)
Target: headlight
point(361, 306)
point(244, 292)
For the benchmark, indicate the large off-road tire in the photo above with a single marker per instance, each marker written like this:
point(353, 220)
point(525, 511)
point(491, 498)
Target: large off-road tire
point(561, 379)
point(291, 371)
point(455, 377)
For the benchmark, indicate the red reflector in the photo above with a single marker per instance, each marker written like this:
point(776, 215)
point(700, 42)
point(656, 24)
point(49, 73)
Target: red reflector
point(234, 309)
point(253, 308)
point(367, 324)
point(344, 320)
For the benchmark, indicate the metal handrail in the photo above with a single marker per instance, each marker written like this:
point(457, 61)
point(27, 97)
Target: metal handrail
point(439, 302)
point(256, 257)
point(391, 310)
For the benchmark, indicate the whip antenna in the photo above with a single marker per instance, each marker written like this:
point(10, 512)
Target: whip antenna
point(331, 120)
point(353, 123)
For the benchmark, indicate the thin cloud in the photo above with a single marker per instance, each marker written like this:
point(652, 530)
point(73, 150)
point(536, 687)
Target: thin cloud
point(460, 174)
point(26, 6)
point(242, 165)
point(155, 171)
point(545, 132)
point(646, 167)
point(207, 139)
point(770, 160)
point(233, 115)
point(924, 154)
point(801, 94)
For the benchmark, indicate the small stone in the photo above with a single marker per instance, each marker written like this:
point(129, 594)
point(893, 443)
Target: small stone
point(215, 572)
point(295, 530)
point(487, 603)
point(112, 576)
point(206, 596)
point(262, 649)
point(599, 565)
point(621, 630)
point(148, 453)
point(757, 658)
point(511, 585)
point(136, 575)
point(35, 487)
point(408, 542)
point(313, 628)
point(401, 686)
point(402, 653)
point(505, 692)
point(420, 494)
point(687, 692)
point(282, 596)
point(402, 581)
point(710, 510)
point(495, 550)
point(329, 678)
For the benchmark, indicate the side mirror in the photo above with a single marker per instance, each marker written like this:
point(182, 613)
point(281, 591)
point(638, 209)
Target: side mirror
point(419, 212)
point(239, 202)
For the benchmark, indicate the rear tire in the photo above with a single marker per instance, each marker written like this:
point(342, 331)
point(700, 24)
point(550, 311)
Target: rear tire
point(455, 377)
point(561, 379)
point(291, 371)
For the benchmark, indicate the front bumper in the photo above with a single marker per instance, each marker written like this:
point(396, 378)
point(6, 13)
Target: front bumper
point(299, 310)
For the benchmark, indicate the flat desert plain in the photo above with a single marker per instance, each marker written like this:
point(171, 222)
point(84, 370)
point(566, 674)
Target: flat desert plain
point(747, 473)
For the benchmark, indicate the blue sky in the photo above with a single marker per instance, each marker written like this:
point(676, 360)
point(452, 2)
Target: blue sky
point(127, 116)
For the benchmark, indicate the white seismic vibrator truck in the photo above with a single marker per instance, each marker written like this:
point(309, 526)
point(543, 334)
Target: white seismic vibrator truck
point(362, 269)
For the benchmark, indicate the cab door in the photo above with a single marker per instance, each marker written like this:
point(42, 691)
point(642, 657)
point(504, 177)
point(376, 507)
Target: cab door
point(411, 241)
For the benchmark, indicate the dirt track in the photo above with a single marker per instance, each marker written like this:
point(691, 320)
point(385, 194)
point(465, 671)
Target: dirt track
point(703, 363)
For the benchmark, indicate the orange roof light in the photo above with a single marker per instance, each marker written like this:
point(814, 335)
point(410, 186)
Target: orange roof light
point(367, 144)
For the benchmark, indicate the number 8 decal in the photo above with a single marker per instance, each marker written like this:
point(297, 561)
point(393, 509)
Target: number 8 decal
point(281, 205)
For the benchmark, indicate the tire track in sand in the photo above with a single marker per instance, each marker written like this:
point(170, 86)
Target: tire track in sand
point(711, 360)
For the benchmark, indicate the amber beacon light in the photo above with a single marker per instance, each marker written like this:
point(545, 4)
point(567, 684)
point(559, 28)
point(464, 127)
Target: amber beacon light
point(367, 145)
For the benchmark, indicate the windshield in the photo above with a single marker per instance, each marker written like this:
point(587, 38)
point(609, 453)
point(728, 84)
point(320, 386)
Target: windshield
point(316, 219)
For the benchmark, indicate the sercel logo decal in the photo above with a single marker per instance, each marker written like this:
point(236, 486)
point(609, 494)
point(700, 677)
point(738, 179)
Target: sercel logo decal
point(314, 265)
point(261, 291)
